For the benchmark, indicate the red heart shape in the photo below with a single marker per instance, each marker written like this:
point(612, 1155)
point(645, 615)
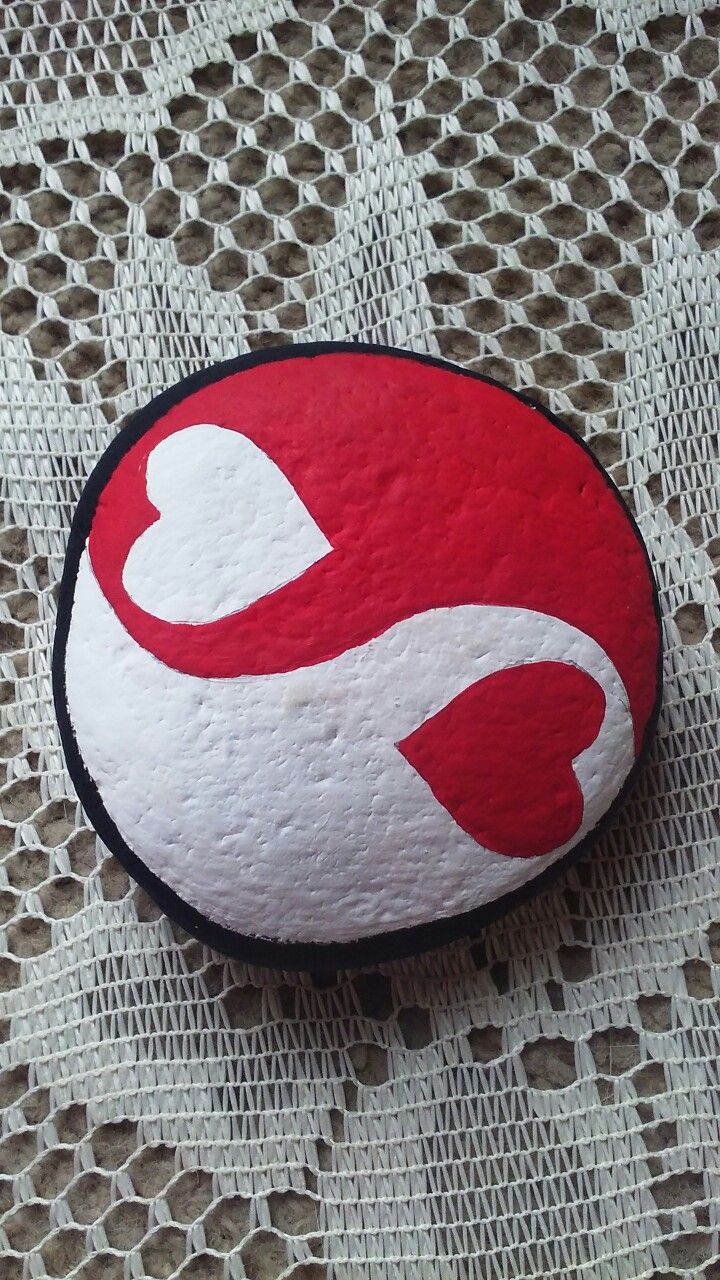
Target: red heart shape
point(499, 756)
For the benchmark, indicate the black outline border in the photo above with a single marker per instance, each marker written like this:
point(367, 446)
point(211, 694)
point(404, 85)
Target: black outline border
point(314, 957)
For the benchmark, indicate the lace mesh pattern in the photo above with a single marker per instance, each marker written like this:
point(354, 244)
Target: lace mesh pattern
point(529, 188)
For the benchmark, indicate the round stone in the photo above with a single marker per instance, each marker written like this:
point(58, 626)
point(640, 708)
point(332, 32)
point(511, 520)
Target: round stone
point(354, 647)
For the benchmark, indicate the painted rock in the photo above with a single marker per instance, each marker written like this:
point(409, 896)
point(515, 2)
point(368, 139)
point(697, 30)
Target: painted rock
point(353, 647)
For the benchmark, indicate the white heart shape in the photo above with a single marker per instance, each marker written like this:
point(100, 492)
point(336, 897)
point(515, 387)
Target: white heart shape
point(231, 528)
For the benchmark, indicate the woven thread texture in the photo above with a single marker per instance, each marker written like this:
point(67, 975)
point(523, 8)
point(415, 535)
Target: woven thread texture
point(529, 188)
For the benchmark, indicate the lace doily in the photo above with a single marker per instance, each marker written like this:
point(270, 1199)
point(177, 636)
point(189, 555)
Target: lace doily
point(529, 188)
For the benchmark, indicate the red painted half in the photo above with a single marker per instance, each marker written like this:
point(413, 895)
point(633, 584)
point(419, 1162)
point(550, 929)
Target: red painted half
point(499, 756)
point(433, 488)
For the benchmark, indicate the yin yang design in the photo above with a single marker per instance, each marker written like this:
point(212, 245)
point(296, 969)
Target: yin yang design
point(353, 649)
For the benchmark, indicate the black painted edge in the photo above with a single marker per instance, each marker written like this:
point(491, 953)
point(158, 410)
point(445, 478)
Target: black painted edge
point(317, 957)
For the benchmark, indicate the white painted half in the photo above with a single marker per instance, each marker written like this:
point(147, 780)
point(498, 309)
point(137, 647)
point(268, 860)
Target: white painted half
point(231, 528)
point(279, 805)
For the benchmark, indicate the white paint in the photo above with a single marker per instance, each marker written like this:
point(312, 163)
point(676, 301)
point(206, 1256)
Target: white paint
point(279, 805)
point(231, 528)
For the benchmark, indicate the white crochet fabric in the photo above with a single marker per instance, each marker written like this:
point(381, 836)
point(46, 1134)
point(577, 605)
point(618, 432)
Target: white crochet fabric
point(529, 188)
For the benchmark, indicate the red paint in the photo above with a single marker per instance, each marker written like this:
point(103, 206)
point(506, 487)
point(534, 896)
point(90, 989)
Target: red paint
point(434, 489)
point(499, 756)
